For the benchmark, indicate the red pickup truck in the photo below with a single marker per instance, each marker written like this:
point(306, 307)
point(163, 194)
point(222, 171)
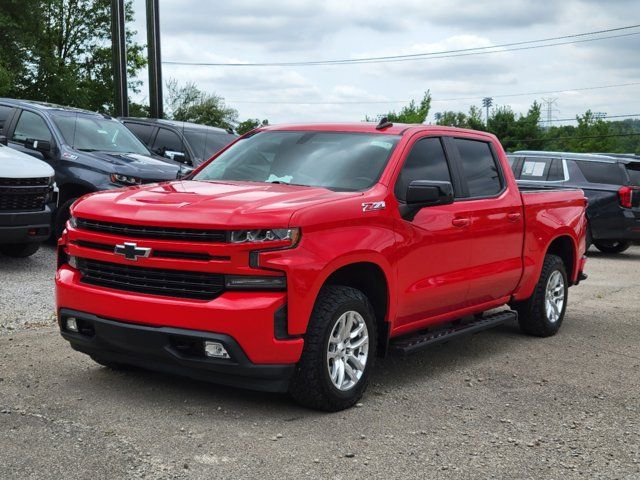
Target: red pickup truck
point(299, 254)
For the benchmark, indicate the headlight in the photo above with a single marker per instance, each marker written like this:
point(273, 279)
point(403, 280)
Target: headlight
point(266, 235)
point(72, 222)
point(120, 179)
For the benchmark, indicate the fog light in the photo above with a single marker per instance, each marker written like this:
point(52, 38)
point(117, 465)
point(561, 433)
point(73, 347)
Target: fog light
point(73, 262)
point(72, 324)
point(215, 350)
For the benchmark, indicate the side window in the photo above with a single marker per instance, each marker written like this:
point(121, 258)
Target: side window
point(556, 171)
point(601, 172)
point(516, 165)
point(479, 167)
point(166, 140)
point(143, 132)
point(31, 125)
point(426, 161)
point(5, 115)
point(535, 168)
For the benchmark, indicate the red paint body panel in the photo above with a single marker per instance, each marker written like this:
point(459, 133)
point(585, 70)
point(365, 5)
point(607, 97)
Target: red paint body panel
point(450, 261)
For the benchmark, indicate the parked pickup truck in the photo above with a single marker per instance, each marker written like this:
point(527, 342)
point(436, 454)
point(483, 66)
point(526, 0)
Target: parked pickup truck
point(301, 253)
point(28, 197)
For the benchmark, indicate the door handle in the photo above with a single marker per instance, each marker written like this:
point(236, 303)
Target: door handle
point(513, 217)
point(460, 222)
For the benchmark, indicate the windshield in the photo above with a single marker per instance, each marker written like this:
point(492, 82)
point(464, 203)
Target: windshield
point(89, 133)
point(334, 160)
point(206, 143)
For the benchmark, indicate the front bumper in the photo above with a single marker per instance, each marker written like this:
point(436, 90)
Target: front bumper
point(172, 350)
point(26, 227)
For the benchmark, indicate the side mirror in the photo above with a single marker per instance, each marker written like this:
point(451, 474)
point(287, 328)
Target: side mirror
point(43, 146)
point(424, 193)
point(4, 141)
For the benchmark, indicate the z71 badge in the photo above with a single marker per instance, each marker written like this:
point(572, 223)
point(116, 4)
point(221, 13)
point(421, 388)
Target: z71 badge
point(371, 206)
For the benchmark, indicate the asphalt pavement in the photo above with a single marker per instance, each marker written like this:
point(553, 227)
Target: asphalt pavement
point(497, 404)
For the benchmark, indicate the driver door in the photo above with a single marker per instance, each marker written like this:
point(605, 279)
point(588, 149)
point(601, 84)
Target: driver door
point(30, 125)
point(435, 247)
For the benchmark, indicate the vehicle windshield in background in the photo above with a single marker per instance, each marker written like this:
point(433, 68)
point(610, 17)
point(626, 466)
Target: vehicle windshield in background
point(633, 169)
point(92, 133)
point(206, 143)
point(333, 160)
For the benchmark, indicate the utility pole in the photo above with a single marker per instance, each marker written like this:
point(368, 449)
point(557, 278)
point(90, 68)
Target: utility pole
point(119, 52)
point(549, 105)
point(487, 102)
point(155, 59)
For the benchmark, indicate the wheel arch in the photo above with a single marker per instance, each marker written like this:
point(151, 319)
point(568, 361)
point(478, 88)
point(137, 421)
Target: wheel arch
point(370, 278)
point(564, 247)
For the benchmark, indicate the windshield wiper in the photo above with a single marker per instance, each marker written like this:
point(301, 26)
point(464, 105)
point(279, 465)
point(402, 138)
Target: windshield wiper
point(280, 182)
point(87, 149)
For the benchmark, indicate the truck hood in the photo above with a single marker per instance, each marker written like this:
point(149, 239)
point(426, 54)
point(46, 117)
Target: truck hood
point(141, 166)
point(212, 205)
point(15, 164)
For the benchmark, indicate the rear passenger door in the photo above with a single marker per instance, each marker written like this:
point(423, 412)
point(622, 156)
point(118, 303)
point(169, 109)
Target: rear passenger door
point(496, 231)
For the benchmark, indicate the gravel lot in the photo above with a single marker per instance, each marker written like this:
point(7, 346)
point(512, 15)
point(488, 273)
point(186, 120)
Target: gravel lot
point(494, 405)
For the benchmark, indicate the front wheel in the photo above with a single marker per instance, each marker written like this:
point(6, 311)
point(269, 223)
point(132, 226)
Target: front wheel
point(612, 246)
point(339, 351)
point(19, 250)
point(62, 215)
point(542, 314)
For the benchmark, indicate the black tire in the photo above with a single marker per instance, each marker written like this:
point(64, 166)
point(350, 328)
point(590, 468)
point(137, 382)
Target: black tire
point(532, 313)
point(612, 246)
point(111, 365)
point(19, 250)
point(311, 385)
point(62, 215)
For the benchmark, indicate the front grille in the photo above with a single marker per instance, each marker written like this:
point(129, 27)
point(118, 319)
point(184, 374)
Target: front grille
point(154, 281)
point(201, 256)
point(158, 233)
point(23, 194)
point(24, 182)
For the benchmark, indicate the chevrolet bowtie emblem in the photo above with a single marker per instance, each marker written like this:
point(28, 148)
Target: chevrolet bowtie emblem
point(131, 251)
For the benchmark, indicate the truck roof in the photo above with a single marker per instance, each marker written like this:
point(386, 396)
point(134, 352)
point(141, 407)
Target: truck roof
point(589, 157)
point(370, 127)
point(173, 123)
point(45, 106)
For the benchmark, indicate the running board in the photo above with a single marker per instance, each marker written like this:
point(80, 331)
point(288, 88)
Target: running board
point(411, 344)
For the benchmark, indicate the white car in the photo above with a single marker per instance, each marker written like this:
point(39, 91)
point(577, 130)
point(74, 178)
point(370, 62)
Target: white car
point(28, 198)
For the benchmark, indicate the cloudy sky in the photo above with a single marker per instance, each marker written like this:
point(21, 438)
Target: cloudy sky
point(244, 31)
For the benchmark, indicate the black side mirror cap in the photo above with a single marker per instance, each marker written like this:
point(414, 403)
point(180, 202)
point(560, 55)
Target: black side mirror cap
point(4, 140)
point(43, 146)
point(424, 193)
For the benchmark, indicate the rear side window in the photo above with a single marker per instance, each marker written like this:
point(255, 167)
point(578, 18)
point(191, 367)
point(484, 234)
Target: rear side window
point(5, 114)
point(426, 161)
point(601, 172)
point(479, 167)
point(143, 132)
point(634, 174)
point(31, 125)
point(541, 169)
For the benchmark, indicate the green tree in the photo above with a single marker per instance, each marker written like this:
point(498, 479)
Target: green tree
point(412, 113)
point(188, 103)
point(471, 120)
point(60, 52)
point(250, 124)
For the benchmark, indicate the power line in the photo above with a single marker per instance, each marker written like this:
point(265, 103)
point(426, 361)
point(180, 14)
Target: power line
point(507, 47)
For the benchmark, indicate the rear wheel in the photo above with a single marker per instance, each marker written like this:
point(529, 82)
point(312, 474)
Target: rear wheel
point(612, 246)
point(19, 250)
point(542, 314)
point(339, 351)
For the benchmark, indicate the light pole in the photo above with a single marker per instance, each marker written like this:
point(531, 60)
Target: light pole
point(487, 102)
point(119, 52)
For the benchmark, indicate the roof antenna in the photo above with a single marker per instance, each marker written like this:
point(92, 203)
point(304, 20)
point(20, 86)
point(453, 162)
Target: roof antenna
point(384, 123)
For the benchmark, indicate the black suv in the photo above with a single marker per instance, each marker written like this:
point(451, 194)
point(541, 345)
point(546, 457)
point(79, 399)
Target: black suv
point(185, 142)
point(88, 151)
point(610, 182)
